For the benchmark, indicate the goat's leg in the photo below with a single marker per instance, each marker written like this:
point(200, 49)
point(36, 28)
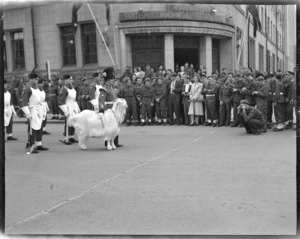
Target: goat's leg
point(109, 147)
point(113, 144)
point(82, 138)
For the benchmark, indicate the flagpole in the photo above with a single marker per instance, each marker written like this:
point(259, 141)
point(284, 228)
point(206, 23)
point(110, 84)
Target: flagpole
point(242, 43)
point(113, 26)
point(101, 34)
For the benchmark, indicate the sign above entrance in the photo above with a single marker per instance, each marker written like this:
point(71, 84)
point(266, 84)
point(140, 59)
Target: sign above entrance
point(174, 15)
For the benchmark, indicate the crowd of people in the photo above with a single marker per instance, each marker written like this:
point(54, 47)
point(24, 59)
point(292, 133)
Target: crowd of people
point(163, 97)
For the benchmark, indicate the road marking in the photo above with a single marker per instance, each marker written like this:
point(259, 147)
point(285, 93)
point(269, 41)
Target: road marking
point(89, 189)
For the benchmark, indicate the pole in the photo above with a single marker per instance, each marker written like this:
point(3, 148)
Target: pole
point(2, 134)
point(113, 26)
point(101, 34)
point(242, 43)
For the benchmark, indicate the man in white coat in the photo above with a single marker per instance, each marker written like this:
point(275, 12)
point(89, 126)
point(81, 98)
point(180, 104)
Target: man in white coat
point(33, 109)
point(9, 111)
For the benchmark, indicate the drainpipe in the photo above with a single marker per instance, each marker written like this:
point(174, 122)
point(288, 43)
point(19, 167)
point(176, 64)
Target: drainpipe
point(266, 31)
point(249, 42)
point(276, 39)
point(33, 38)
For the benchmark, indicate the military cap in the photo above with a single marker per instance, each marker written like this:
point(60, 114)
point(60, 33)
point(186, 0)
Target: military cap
point(40, 81)
point(66, 77)
point(245, 102)
point(291, 72)
point(4, 82)
point(108, 73)
point(96, 75)
point(214, 72)
point(147, 80)
point(32, 76)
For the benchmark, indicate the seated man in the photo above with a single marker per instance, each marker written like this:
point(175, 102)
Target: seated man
point(251, 118)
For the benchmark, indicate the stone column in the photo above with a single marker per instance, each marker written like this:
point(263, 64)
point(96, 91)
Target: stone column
point(9, 52)
point(206, 53)
point(169, 52)
point(122, 51)
point(227, 54)
point(128, 52)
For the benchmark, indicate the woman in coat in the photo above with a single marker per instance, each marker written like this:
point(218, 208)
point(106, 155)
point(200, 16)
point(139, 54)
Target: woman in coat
point(196, 99)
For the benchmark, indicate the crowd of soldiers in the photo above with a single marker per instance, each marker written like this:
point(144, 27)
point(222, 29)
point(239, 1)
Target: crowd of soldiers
point(164, 97)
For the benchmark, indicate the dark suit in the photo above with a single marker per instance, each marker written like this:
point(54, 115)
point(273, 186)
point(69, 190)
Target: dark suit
point(174, 101)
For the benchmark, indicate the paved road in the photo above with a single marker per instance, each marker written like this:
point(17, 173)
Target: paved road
point(166, 180)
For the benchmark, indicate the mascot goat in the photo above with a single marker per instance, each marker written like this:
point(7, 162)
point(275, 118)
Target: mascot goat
point(89, 124)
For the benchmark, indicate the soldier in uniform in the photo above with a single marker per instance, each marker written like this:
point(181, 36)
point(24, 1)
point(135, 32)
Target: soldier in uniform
point(53, 93)
point(139, 87)
point(108, 95)
point(23, 84)
point(251, 118)
point(95, 91)
point(186, 88)
point(147, 99)
point(160, 92)
point(288, 87)
point(237, 97)
point(248, 89)
point(84, 96)
point(225, 96)
point(260, 94)
point(33, 109)
point(9, 111)
point(272, 85)
point(174, 88)
point(128, 93)
point(68, 104)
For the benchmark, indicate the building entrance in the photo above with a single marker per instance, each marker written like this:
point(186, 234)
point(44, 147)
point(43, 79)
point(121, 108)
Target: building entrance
point(147, 49)
point(186, 49)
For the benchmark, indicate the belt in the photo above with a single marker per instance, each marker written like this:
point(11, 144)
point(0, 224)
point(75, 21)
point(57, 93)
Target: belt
point(53, 94)
point(210, 94)
point(147, 97)
point(109, 102)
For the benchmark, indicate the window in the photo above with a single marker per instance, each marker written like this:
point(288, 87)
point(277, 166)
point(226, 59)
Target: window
point(261, 57)
point(18, 51)
point(268, 61)
point(4, 53)
point(252, 53)
point(89, 43)
point(68, 46)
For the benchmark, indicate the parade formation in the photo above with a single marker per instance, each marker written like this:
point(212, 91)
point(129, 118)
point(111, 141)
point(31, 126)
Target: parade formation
point(162, 97)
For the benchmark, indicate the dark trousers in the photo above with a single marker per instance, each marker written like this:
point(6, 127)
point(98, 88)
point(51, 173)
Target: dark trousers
point(71, 130)
point(146, 110)
point(186, 105)
point(269, 111)
point(225, 113)
point(235, 113)
point(160, 108)
point(211, 109)
point(85, 104)
point(9, 128)
point(138, 110)
point(280, 113)
point(33, 135)
point(289, 112)
point(263, 108)
point(131, 109)
point(181, 111)
point(253, 125)
point(54, 105)
point(174, 101)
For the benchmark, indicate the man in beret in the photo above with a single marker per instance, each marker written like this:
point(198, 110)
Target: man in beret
point(271, 79)
point(53, 93)
point(95, 91)
point(260, 94)
point(84, 95)
point(9, 111)
point(248, 89)
point(147, 99)
point(33, 109)
point(251, 118)
point(67, 103)
point(108, 95)
point(174, 88)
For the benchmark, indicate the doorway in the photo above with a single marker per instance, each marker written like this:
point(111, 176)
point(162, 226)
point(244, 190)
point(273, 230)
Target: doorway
point(186, 50)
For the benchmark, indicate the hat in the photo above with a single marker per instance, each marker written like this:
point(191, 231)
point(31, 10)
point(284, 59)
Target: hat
point(40, 81)
point(96, 75)
point(291, 72)
point(147, 80)
point(245, 102)
point(32, 76)
point(108, 73)
point(66, 77)
point(4, 82)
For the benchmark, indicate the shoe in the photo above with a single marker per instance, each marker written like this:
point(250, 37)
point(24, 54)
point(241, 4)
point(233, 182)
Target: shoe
point(53, 117)
point(214, 124)
point(41, 148)
point(62, 118)
point(46, 132)
point(241, 126)
point(264, 130)
point(234, 125)
point(118, 145)
point(192, 124)
point(171, 123)
point(207, 124)
point(256, 133)
point(34, 151)
point(11, 138)
point(72, 140)
point(220, 125)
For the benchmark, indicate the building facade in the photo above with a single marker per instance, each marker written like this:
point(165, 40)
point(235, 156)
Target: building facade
point(208, 36)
